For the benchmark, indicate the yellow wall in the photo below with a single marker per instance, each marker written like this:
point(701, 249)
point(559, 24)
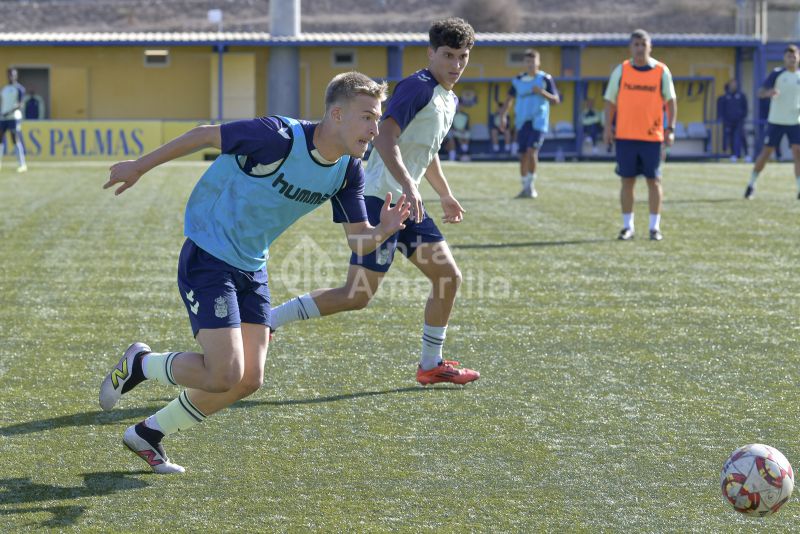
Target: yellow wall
point(316, 70)
point(113, 83)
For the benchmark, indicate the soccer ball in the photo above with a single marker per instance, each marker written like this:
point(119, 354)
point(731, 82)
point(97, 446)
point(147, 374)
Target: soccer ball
point(757, 479)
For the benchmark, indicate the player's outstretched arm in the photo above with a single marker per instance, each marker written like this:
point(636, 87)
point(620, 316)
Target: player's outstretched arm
point(363, 238)
point(453, 212)
point(128, 172)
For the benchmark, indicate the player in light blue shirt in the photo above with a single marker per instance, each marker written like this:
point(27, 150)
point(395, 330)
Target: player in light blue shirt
point(531, 92)
point(782, 87)
point(272, 171)
point(416, 121)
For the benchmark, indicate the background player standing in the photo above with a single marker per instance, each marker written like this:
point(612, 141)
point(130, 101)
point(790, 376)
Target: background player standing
point(11, 98)
point(637, 93)
point(532, 92)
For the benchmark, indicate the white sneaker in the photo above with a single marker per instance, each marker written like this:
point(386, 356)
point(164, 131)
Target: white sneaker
point(111, 388)
point(734, 159)
point(534, 193)
point(155, 457)
point(22, 168)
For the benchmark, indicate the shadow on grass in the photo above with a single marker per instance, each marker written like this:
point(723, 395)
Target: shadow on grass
point(532, 244)
point(703, 200)
point(23, 490)
point(347, 396)
point(96, 417)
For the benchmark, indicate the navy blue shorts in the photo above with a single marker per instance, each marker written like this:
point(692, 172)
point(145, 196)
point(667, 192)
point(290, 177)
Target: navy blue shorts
point(12, 125)
point(218, 295)
point(638, 158)
point(527, 137)
point(406, 240)
point(775, 133)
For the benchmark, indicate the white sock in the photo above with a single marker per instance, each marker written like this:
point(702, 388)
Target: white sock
point(158, 366)
point(655, 221)
point(753, 178)
point(432, 342)
point(299, 308)
point(465, 148)
point(180, 414)
point(533, 178)
point(495, 148)
point(527, 181)
point(627, 220)
point(20, 153)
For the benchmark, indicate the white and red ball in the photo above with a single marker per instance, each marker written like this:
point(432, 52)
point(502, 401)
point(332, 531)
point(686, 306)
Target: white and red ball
point(757, 479)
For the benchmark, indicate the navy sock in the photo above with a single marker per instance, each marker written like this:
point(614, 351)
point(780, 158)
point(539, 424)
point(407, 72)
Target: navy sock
point(137, 374)
point(153, 437)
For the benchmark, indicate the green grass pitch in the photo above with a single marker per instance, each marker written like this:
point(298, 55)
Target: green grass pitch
point(616, 377)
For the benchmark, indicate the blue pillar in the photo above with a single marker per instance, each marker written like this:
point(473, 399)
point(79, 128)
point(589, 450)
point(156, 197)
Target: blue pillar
point(394, 62)
point(220, 81)
point(571, 67)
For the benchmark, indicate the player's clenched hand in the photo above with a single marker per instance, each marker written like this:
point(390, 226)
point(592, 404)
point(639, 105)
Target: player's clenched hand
point(453, 212)
point(392, 217)
point(126, 173)
point(608, 137)
point(503, 124)
point(412, 194)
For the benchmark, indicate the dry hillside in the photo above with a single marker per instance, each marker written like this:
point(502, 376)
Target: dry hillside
point(657, 16)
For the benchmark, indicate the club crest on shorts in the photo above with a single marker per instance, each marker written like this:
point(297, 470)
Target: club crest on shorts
point(220, 307)
point(382, 256)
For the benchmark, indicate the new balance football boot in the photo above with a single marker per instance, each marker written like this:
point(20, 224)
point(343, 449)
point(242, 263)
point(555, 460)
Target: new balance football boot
point(151, 453)
point(113, 385)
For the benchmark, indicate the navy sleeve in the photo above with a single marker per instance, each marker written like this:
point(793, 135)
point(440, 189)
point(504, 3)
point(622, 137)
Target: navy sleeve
point(769, 83)
point(550, 85)
point(512, 91)
point(264, 140)
point(410, 96)
point(348, 204)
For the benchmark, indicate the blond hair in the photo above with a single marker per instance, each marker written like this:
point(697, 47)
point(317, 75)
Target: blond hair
point(348, 85)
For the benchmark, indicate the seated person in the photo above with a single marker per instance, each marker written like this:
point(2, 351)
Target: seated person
point(592, 123)
point(459, 134)
point(495, 132)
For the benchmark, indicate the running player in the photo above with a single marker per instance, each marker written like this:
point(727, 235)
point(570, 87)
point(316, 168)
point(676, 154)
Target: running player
point(272, 171)
point(782, 87)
